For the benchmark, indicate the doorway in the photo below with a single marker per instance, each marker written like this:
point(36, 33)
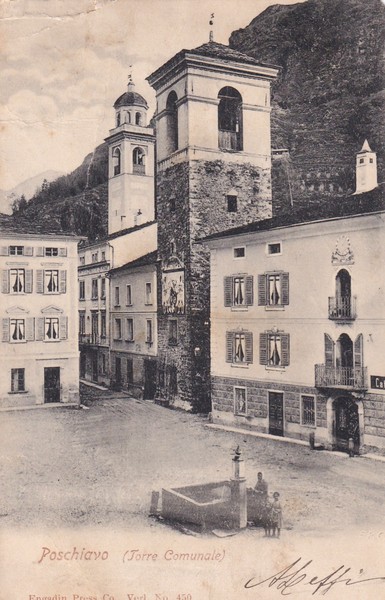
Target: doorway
point(150, 373)
point(276, 413)
point(118, 371)
point(95, 366)
point(347, 424)
point(51, 384)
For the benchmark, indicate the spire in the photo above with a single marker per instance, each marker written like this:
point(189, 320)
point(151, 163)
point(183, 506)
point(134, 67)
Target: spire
point(130, 83)
point(365, 147)
point(211, 23)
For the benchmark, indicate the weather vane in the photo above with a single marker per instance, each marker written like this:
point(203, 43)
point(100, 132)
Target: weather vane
point(129, 74)
point(211, 23)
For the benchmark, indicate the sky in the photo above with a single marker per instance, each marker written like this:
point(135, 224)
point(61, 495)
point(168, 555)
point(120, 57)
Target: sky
point(63, 63)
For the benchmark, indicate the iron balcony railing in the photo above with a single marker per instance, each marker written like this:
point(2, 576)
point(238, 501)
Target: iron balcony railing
point(354, 378)
point(342, 308)
point(92, 339)
point(229, 140)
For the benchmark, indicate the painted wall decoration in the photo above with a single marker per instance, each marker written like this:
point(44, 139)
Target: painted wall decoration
point(173, 297)
point(343, 254)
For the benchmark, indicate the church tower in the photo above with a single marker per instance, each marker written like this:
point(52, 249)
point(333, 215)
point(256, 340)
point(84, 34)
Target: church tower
point(366, 169)
point(130, 164)
point(213, 173)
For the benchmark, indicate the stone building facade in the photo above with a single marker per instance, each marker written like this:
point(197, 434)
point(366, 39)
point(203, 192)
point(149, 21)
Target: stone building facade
point(213, 173)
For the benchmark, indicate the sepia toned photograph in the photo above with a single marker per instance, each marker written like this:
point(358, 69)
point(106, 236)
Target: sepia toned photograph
point(192, 257)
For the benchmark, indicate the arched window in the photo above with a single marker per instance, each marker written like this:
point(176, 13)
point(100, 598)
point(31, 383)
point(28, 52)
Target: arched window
point(344, 354)
point(172, 121)
point(138, 118)
point(127, 117)
point(138, 161)
point(116, 160)
point(230, 119)
point(342, 306)
point(117, 119)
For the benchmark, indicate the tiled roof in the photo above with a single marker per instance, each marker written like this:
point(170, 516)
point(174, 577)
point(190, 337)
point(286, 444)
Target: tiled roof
point(117, 234)
point(148, 259)
point(18, 226)
point(349, 206)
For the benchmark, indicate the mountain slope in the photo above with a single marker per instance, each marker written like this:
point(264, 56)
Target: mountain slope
point(26, 188)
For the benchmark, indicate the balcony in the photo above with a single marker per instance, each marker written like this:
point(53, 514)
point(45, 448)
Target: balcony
point(342, 308)
point(229, 140)
point(349, 378)
point(91, 339)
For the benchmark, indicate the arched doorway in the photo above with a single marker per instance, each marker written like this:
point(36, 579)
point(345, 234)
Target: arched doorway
point(344, 360)
point(346, 424)
point(343, 300)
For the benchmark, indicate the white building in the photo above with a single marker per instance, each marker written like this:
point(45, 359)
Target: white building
point(298, 328)
point(39, 313)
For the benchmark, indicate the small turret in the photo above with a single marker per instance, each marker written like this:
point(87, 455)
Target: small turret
point(131, 108)
point(366, 169)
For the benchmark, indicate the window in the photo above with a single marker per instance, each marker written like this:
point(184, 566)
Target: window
point(116, 160)
point(51, 328)
point(173, 332)
point(17, 281)
point(103, 324)
point(51, 251)
point(239, 347)
point(130, 330)
point(238, 290)
point(138, 118)
point(117, 119)
point(51, 281)
point(308, 410)
point(172, 121)
point(148, 298)
point(230, 119)
point(274, 349)
point(17, 332)
point(362, 160)
point(138, 160)
point(17, 380)
point(273, 289)
point(240, 252)
point(103, 256)
point(82, 323)
point(117, 296)
point(371, 161)
point(118, 329)
point(232, 203)
point(82, 290)
point(94, 257)
point(274, 248)
point(94, 289)
point(82, 260)
point(240, 401)
point(130, 370)
point(172, 205)
point(128, 295)
point(149, 339)
point(16, 250)
point(103, 288)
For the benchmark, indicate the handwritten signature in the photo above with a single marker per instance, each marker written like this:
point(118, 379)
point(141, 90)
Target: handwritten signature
point(295, 574)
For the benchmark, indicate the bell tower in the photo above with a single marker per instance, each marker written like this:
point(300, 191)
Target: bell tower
point(366, 169)
point(213, 173)
point(130, 164)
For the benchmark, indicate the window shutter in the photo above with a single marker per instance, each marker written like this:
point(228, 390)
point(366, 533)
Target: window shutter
point(30, 329)
point(3, 250)
point(28, 281)
point(263, 337)
point(248, 347)
point(62, 251)
point(358, 352)
point(63, 323)
point(40, 281)
point(228, 289)
point(229, 346)
point(62, 282)
point(40, 251)
point(249, 284)
point(40, 328)
point(5, 282)
point(28, 251)
point(329, 351)
point(262, 291)
point(5, 330)
point(285, 288)
point(285, 349)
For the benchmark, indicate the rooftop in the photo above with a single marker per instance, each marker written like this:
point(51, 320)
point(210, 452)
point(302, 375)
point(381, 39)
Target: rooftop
point(10, 225)
point(117, 234)
point(148, 259)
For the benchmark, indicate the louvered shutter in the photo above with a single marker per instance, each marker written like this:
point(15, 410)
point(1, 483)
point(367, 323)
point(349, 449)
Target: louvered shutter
point(28, 251)
point(5, 330)
point(63, 324)
point(263, 339)
point(285, 288)
point(30, 329)
point(229, 346)
point(249, 283)
point(228, 290)
point(285, 349)
point(329, 351)
point(40, 281)
point(62, 251)
point(248, 347)
point(40, 328)
point(261, 290)
point(28, 281)
point(4, 251)
point(40, 251)
point(62, 282)
point(358, 352)
point(5, 282)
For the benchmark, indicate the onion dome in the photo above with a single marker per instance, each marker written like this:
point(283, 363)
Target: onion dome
point(131, 98)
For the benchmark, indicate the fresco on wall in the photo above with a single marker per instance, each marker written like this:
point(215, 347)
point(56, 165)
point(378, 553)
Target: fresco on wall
point(173, 292)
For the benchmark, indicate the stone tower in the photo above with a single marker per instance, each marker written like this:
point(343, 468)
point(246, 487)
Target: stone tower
point(213, 173)
point(130, 164)
point(366, 169)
